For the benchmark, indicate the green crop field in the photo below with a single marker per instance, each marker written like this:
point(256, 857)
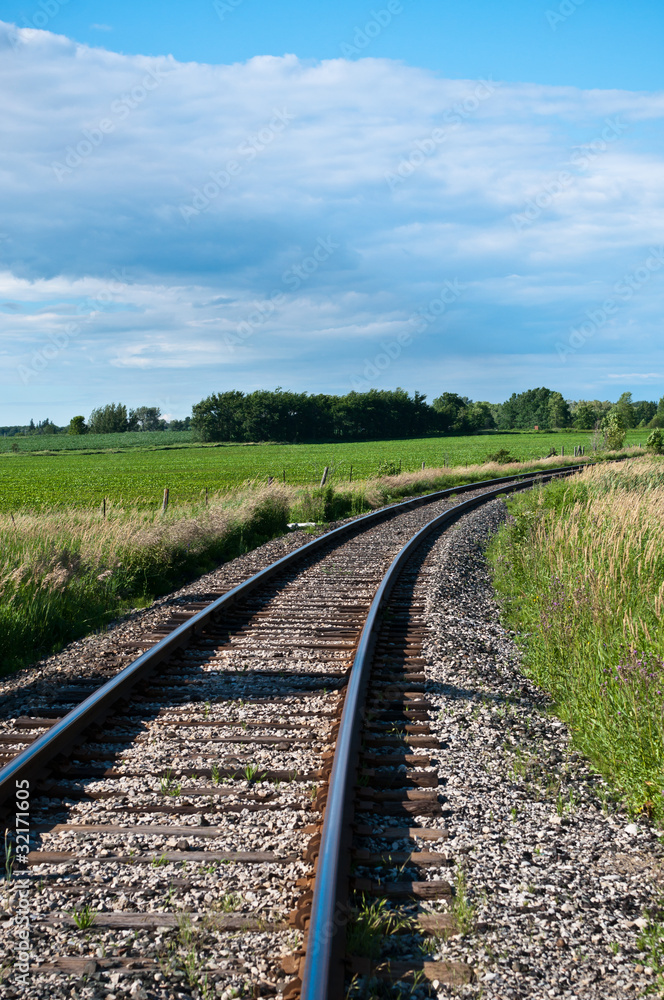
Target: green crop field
point(137, 477)
point(96, 442)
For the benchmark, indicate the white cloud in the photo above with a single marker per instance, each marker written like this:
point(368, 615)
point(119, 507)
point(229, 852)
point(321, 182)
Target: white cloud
point(108, 190)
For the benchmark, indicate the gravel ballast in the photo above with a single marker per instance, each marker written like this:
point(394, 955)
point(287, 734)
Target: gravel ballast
point(558, 880)
point(561, 881)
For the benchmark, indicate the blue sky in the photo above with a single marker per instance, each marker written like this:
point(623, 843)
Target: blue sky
point(241, 195)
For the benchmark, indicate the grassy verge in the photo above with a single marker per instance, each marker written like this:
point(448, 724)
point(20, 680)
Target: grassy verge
point(64, 575)
point(580, 573)
point(68, 572)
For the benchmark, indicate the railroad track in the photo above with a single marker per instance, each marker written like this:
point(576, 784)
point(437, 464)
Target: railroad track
point(192, 818)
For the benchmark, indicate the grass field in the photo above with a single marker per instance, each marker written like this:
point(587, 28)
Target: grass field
point(135, 477)
point(581, 570)
point(96, 442)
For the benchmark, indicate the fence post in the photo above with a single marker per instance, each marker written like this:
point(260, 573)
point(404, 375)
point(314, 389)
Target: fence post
point(562, 451)
point(165, 501)
point(284, 475)
point(206, 496)
point(422, 464)
point(325, 472)
point(350, 476)
point(104, 509)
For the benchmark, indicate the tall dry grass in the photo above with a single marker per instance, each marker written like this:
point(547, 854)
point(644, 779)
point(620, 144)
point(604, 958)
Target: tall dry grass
point(66, 573)
point(69, 572)
point(581, 574)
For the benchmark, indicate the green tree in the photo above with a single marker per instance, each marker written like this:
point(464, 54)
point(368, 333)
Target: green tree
point(585, 416)
point(644, 411)
point(109, 419)
point(452, 412)
point(658, 419)
point(558, 411)
point(525, 410)
point(77, 425)
point(46, 427)
point(144, 418)
point(614, 430)
point(480, 416)
point(625, 410)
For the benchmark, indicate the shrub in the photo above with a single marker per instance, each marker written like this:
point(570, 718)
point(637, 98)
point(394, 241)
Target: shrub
point(655, 441)
point(503, 457)
point(614, 431)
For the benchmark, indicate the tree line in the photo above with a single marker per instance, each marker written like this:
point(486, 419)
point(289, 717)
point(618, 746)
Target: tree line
point(289, 416)
point(281, 415)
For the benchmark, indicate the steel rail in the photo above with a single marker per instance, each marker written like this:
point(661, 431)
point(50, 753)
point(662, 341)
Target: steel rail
point(322, 978)
point(35, 758)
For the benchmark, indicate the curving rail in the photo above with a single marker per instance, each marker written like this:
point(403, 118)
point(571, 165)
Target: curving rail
point(35, 758)
point(323, 970)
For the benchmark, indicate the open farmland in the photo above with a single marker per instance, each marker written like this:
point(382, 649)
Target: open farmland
point(96, 442)
point(137, 478)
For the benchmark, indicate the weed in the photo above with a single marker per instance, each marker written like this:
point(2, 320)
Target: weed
point(365, 933)
point(84, 917)
point(463, 909)
point(169, 786)
point(252, 773)
point(160, 860)
point(651, 941)
point(230, 902)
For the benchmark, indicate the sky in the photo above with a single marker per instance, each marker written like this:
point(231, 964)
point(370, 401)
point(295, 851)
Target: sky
point(237, 195)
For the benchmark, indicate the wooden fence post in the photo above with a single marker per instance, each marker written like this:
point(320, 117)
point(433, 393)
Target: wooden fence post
point(325, 472)
point(206, 496)
point(165, 501)
point(104, 509)
point(350, 476)
point(422, 464)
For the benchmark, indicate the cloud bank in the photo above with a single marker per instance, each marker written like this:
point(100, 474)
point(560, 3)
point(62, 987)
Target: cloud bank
point(171, 229)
